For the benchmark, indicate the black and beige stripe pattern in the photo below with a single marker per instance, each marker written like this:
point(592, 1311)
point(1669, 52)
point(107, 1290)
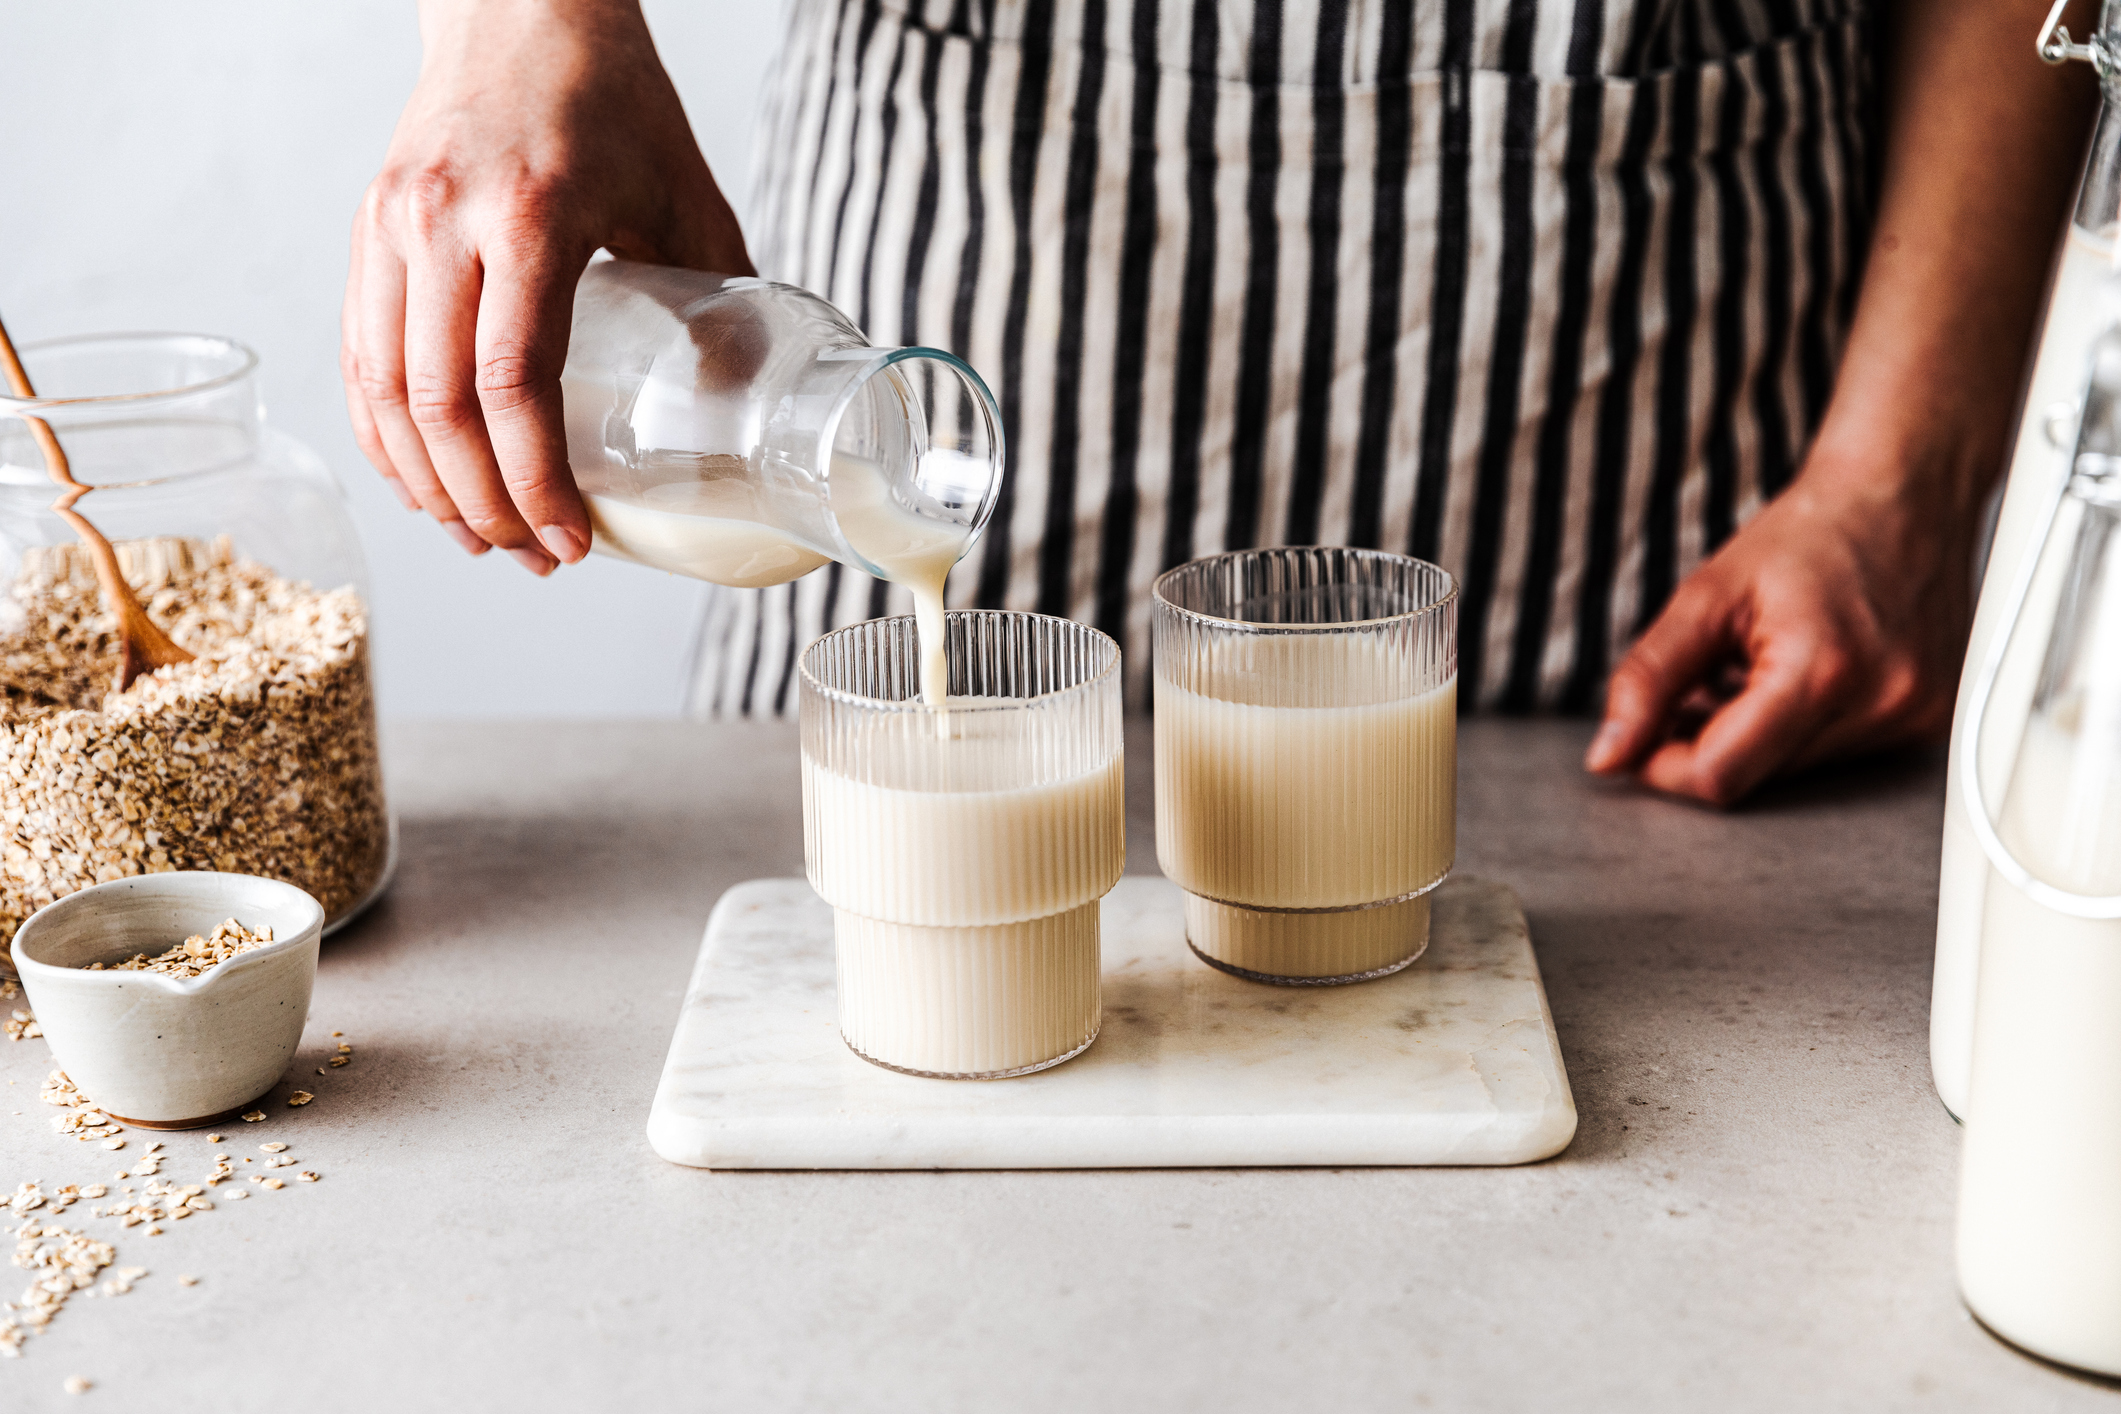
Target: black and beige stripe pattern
point(1548, 291)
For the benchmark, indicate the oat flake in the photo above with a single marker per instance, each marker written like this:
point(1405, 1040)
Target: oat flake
point(272, 724)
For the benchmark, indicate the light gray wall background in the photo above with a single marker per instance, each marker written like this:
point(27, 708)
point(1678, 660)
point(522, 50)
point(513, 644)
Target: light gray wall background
point(196, 166)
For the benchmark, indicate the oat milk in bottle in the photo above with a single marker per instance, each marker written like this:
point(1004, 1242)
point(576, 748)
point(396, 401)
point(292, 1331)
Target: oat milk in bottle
point(2078, 308)
point(2039, 1229)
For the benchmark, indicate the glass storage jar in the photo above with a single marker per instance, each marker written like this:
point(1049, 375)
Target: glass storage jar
point(259, 756)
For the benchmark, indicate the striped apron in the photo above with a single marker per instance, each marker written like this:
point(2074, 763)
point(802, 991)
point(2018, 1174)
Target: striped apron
point(1547, 291)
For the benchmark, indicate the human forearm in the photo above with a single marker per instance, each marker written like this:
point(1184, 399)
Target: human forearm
point(1982, 148)
point(437, 16)
point(1842, 606)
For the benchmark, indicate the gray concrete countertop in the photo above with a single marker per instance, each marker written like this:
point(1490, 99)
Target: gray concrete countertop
point(1755, 1214)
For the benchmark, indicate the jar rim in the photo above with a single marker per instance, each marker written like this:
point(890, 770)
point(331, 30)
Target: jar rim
point(245, 362)
point(1161, 595)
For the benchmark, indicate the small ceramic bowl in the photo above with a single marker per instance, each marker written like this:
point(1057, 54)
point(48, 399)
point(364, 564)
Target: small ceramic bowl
point(166, 1052)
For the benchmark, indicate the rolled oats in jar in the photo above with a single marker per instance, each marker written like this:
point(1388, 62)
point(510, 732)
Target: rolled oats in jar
point(259, 756)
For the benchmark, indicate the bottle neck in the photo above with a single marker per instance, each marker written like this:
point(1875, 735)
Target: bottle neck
point(906, 445)
point(2099, 198)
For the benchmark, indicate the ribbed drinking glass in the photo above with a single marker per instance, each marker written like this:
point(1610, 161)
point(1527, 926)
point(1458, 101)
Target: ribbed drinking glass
point(1306, 757)
point(964, 849)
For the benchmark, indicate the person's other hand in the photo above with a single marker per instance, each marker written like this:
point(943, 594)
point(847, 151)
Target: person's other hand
point(536, 134)
point(1835, 622)
point(1831, 624)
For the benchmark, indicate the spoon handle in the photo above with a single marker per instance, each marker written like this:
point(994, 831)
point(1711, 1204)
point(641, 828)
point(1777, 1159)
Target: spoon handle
point(142, 645)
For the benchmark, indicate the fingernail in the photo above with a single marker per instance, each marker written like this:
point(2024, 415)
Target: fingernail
point(565, 545)
point(404, 494)
point(469, 543)
point(1604, 746)
point(536, 561)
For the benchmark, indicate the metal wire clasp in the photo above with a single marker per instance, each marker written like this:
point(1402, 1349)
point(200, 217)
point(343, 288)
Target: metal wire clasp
point(2092, 475)
point(2056, 47)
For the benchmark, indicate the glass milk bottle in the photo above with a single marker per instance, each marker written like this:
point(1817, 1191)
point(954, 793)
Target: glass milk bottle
point(744, 432)
point(2079, 307)
point(2039, 1232)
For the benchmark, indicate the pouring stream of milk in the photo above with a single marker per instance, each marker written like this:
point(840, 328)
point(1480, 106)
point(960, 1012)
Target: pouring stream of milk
point(708, 529)
point(909, 549)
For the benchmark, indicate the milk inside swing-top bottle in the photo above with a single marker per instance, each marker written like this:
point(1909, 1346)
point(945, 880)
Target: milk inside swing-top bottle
point(2039, 1233)
point(2080, 304)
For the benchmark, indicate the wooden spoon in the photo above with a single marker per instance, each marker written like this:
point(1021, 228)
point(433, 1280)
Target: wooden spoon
point(142, 647)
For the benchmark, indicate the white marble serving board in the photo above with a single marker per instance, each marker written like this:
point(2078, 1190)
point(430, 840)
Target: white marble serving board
point(1453, 1061)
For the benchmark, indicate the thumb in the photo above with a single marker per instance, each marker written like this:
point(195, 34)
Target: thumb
point(1691, 636)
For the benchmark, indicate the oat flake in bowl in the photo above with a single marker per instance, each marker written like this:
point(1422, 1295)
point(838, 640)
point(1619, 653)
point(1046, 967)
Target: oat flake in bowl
point(195, 954)
point(161, 1052)
point(258, 757)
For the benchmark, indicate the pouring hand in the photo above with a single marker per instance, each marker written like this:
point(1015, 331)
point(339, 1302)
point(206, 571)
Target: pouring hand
point(1830, 625)
point(534, 136)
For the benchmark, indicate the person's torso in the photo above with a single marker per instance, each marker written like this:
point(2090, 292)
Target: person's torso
point(1548, 293)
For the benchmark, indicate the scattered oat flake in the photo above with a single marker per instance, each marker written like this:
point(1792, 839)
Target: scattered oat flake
point(94, 1190)
point(337, 1061)
point(63, 1262)
point(75, 1384)
point(264, 1182)
point(300, 1097)
point(233, 1194)
point(276, 1147)
point(213, 1138)
point(253, 1116)
point(305, 1177)
point(187, 1281)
